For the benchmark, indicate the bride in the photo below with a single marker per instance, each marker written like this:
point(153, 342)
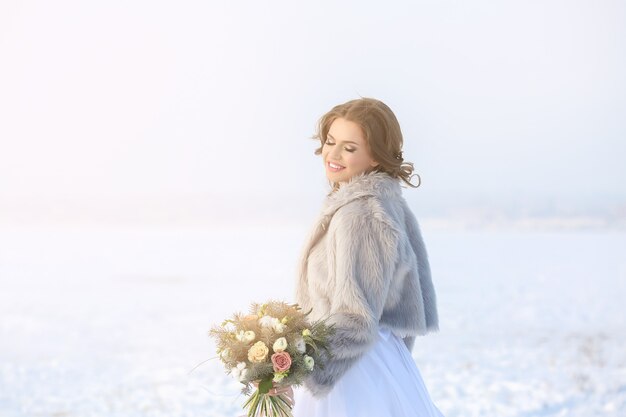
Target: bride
point(365, 266)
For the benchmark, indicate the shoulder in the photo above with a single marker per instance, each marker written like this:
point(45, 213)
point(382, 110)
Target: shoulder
point(366, 216)
point(372, 199)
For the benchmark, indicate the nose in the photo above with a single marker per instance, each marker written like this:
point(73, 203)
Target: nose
point(335, 153)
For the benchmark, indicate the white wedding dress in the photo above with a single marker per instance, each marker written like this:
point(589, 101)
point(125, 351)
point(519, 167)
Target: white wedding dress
point(384, 382)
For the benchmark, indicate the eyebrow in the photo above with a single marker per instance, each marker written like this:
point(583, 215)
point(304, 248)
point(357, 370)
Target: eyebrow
point(345, 141)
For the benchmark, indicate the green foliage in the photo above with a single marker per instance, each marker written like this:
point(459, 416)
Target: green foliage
point(265, 385)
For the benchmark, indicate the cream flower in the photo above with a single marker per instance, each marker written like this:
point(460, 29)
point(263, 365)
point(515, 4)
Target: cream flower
point(308, 362)
point(279, 327)
point(249, 336)
point(306, 332)
point(225, 354)
point(280, 344)
point(300, 345)
point(268, 321)
point(258, 352)
point(238, 370)
point(239, 335)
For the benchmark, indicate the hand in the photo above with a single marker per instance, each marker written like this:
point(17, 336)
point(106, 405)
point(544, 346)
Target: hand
point(288, 391)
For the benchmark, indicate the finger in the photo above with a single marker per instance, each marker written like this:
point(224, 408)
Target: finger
point(290, 396)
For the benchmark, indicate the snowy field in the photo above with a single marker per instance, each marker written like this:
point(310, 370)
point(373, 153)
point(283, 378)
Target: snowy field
point(113, 322)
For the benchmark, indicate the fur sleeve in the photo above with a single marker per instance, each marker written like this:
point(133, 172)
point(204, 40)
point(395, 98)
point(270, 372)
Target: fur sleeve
point(426, 282)
point(362, 253)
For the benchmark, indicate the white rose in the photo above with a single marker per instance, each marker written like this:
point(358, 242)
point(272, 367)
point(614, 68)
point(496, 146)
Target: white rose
point(308, 362)
point(300, 345)
point(249, 336)
point(280, 344)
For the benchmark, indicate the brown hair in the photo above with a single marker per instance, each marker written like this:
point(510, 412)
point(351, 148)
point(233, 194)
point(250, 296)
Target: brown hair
point(382, 134)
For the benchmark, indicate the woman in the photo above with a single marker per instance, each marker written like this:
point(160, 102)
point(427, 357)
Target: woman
point(365, 266)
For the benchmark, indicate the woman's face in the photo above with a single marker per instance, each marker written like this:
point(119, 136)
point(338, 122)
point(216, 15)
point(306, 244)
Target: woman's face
point(346, 152)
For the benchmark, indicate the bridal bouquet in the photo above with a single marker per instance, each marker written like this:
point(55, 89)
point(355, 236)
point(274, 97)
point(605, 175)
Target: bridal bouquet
point(274, 346)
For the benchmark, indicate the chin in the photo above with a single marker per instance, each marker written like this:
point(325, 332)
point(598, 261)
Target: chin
point(336, 178)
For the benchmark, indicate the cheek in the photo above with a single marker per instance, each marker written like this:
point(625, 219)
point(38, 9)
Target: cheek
point(356, 161)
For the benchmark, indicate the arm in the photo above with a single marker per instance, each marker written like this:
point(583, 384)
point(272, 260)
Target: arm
point(362, 253)
point(423, 265)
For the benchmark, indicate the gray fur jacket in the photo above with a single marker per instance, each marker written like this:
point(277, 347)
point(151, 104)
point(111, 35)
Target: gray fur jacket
point(365, 266)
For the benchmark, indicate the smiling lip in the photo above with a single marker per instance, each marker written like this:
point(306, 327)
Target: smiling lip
point(334, 167)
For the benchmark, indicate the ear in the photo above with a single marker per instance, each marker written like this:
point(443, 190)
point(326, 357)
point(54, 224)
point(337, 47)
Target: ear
point(374, 163)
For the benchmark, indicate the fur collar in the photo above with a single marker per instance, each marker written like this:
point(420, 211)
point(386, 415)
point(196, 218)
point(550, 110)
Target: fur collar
point(378, 184)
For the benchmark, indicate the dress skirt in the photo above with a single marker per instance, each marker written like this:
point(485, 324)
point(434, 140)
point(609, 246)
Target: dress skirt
point(384, 382)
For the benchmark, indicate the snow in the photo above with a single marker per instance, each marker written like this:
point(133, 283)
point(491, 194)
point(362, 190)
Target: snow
point(113, 321)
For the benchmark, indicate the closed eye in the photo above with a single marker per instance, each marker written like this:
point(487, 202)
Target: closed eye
point(333, 143)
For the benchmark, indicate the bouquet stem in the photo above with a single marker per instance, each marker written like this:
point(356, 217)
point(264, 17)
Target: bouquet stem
point(265, 405)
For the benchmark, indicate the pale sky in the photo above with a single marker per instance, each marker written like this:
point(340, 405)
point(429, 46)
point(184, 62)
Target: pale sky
point(508, 103)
